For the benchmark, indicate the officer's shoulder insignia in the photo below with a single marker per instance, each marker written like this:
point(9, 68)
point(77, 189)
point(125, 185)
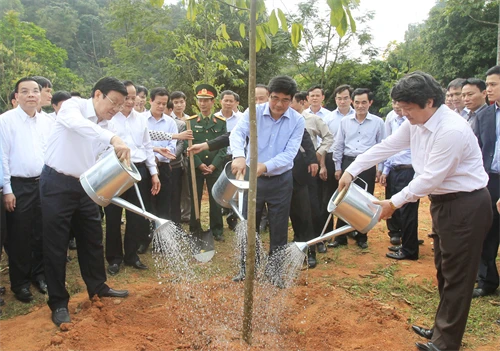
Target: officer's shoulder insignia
point(192, 117)
point(220, 117)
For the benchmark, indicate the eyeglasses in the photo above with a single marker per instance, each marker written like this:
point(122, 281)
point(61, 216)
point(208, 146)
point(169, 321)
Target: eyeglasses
point(284, 101)
point(114, 104)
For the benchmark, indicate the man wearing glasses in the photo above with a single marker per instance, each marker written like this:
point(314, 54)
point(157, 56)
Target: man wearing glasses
point(71, 150)
point(279, 129)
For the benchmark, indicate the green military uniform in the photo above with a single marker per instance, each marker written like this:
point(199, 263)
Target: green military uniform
point(204, 129)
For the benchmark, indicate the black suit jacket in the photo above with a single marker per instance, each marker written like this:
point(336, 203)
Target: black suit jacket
point(304, 159)
point(485, 130)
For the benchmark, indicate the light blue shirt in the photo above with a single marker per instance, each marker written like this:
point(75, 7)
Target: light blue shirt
point(495, 164)
point(164, 124)
point(278, 141)
point(322, 112)
point(353, 138)
point(392, 123)
point(333, 121)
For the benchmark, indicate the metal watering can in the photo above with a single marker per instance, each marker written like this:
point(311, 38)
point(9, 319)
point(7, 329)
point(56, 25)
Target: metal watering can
point(354, 205)
point(229, 189)
point(109, 178)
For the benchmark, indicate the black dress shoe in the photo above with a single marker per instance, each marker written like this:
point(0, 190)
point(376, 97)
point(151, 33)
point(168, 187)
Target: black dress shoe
point(362, 245)
point(395, 248)
point(113, 268)
point(138, 264)
point(336, 244)
point(400, 255)
point(479, 292)
point(142, 249)
point(239, 277)
point(115, 293)
point(311, 260)
point(72, 244)
point(426, 347)
point(60, 316)
point(395, 240)
point(2, 290)
point(24, 295)
point(219, 238)
point(420, 242)
point(321, 247)
point(425, 333)
point(41, 285)
point(232, 221)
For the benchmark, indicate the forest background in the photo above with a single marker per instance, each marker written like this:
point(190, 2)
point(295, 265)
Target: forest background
point(76, 42)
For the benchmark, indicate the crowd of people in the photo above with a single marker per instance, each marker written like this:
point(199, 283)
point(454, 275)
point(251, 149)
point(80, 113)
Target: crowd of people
point(441, 143)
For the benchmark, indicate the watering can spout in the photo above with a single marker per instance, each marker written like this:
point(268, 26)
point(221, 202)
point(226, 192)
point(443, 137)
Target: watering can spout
point(302, 246)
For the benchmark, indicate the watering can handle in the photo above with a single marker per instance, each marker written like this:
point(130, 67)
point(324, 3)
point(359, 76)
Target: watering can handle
point(366, 184)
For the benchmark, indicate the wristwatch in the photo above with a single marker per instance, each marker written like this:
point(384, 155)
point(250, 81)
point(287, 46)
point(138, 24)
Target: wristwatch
point(392, 205)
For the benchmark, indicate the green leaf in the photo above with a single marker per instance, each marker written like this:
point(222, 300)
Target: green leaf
point(342, 28)
point(157, 3)
point(352, 23)
point(268, 42)
point(242, 30)
point(260, 34)
point(273, 23)
point(224, 31)
point(337, 11)
point(296, 34)
point(258, 44)
point(282, 17)
point(191, 10)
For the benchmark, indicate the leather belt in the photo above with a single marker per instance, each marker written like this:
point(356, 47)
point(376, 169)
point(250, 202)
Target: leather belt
point(398, 167)
point(450, 196)
point(349, 158)
point(26, 180)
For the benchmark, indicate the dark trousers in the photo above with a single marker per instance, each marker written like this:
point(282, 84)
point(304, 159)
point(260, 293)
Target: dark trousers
point(136, 227)
point(369, 177)
point(327, 189)
point(404, 221)
point(313, 185)
point(3, 229)
point(161, 202)
point(176, 186)
point(24, 240)
point(276, 193)
point(459, 226)
point(65, 205)
point(300, 214)
point(215, 211)
point(488, 273)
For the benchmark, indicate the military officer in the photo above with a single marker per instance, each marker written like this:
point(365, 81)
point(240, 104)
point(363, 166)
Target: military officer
point(208, 164)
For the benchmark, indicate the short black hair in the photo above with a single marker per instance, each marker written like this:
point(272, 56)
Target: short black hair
point(262, 86)
point(76, 93)
point(475, 81)
point(142, 89)
point(227, 92)
point(300, 96)
point(341, 89)
point(25, 79)
point(418, 87)
point(160, 92)
point(237, 97)
point(42, 81)
point(361, 91)
point(178, 95)
point(107, 84)
point(59, 96)
point(456, 83)
point(316, 87)
point(284, 85)
point(129, 83)
point(493, 70)
point(170, 104)
point(12, 96)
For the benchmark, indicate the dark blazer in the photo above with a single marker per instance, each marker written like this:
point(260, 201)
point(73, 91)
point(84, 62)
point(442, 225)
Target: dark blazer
point(304, 159)
point(485, 130)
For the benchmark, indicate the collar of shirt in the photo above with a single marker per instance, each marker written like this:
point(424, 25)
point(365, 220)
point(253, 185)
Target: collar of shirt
point(90, 110)
point(221, 115)
point(267, 112)
point(351, 111)
point(369, 117)
point(174, 116)
point(24, 116)
point(433, 122)
point(162, 118)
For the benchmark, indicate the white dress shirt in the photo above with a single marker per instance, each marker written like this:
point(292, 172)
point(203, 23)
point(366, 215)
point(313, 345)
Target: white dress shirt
point(165, 124)
point(230, 124)
point(445, 156)
point(24, 141)
point(353, 138)
point(133, 130)
point(71, 149)
point(322, 112)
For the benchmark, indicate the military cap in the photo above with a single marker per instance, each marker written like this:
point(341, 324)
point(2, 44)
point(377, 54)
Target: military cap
point(206, 91)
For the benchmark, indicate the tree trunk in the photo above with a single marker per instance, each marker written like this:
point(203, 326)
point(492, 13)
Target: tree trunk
point(252, 192)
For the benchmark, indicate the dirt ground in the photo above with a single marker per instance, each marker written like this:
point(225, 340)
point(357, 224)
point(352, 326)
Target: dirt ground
point(321, 312)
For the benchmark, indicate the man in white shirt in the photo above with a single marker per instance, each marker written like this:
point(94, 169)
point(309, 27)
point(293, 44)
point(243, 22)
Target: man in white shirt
point(315, 97)
point(24, 133)
point(455, 91)
point(45, 93)
point(448, 167)
point(356, 134)
point(132, 128)
point(71, 150)
point(57, 99)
